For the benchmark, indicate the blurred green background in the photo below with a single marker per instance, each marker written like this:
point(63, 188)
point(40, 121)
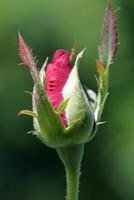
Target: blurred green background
point(28, 169)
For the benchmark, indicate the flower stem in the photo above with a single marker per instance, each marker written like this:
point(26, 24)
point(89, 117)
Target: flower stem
point(72, 177)
point(71, 157)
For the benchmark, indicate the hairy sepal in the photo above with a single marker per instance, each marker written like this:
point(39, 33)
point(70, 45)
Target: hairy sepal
point(109, 38)
point(107, 49)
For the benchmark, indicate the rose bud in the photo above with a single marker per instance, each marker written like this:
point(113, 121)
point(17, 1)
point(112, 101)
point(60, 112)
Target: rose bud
point(61, 110)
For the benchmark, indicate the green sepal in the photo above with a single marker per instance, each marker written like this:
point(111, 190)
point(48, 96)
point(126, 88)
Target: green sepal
point(43, 80)
point(79, 112)
point(29, 93)
point(48, 124)
point(76, 106)
point(103, 85)
point(62, 106)
point(42, 73)
point(28, 112)
point(73, 125)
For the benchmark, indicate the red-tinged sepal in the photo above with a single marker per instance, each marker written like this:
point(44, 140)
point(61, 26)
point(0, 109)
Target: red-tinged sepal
point(28, 60)
point(107, 49)
point(109, 38)
point(26, 53)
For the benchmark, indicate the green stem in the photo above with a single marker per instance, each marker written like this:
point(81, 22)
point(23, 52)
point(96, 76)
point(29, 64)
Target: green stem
point(71, 157)
point(72, 177)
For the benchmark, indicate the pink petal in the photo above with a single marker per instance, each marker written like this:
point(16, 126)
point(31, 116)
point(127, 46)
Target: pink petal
point(56, 76)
